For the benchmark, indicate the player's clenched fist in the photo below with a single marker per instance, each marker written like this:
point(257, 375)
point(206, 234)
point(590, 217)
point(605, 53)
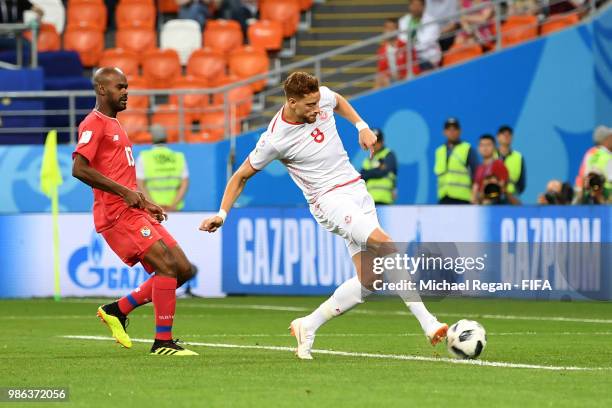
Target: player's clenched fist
point(211, 224)
point(134, 198)
point(367, 138)
point(156, 211)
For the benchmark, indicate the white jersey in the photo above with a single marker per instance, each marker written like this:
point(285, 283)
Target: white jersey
point(313, 153)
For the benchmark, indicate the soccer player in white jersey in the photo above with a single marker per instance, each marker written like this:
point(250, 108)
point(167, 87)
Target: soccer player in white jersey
point(304, 137)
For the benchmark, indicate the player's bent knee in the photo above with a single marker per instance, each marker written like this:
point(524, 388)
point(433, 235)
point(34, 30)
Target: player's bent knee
point(381, 243)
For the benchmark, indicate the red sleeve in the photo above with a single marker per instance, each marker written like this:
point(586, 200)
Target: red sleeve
point(91, 133)
point(500, 170)
point(478, 176)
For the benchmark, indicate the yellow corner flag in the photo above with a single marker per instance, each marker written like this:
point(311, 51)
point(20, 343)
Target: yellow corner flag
point(50, 180)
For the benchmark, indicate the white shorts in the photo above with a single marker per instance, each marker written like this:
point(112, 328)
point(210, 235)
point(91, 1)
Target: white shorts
point(348, 211)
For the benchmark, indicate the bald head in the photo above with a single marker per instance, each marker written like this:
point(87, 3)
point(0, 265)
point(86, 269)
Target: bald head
point(105, 75)
point(110, 85)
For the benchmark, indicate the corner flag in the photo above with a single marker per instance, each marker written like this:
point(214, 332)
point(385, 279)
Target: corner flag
point(50, 180)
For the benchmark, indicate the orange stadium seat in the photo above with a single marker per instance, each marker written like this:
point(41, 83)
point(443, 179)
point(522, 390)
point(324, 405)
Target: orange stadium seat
point(136, 125)
point(168, 117)
point(160, 68)
point(194, 101)
point(266, 34)
point(247, 62)
point(203, 136)
point(48, 38)
point(137, 102)
point(305, 4)
point(518, 29)
point(167, 6)
point(286, 12)
point(135, 14)
point(72, 2)
point(240, 98)
point(559, 22)
point(126, 61)
point(138, 40)
point(460, 53)
point(208, 65)
point(87, 15)
point(88, 42)
point(214, 124)
point(223, 35)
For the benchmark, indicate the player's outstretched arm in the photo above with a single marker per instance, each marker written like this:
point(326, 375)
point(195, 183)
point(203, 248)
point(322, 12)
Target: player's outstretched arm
point(93, 178)
point(366, 137)
point(232, 191)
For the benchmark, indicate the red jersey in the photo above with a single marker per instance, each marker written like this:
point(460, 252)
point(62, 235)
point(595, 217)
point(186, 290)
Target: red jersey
point(104, 143)
point(496, 168)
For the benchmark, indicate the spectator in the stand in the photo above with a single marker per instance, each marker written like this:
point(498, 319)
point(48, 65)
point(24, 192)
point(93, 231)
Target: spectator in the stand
point(162, 173)
point(198, 10)
point(477, 26)
point(11, 12)
point(380, 172)
point(391, 57)
point(455, 166)
point(491, 176)
point(243, 11)
point(514, 161)
point(523, 7)
point(445, 14)
point(600, 135)
point(424, 34)
point(564, 7)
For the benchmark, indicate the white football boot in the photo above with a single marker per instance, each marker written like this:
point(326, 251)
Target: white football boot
point(305, 338)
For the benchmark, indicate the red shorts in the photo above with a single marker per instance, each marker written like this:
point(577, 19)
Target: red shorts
point(133, 234)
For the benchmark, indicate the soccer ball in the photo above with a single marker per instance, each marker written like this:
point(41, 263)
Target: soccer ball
point(466, 339)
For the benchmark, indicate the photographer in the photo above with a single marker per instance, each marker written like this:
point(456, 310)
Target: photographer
point(598, 181)
point(594, 190)
point(491, 176)
point(556, 193)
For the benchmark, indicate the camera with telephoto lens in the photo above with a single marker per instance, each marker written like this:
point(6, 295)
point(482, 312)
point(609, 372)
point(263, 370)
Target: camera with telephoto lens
point(492, 193)
point(595, 182)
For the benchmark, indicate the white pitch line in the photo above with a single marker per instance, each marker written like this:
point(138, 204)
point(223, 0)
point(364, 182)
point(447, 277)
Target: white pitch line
point(482, 363)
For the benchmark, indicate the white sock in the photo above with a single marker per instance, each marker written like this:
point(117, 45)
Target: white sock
point(426, 319)
point(348, 295)
point(411, 298)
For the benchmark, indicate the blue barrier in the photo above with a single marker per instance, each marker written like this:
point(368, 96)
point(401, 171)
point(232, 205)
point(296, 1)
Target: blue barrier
point(283, 251)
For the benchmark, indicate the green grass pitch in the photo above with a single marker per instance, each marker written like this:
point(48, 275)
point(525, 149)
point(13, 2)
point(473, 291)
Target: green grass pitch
point(377, 336)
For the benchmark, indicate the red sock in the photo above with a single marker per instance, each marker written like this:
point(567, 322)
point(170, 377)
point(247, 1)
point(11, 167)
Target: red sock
point(164, 302)
point(138, 297)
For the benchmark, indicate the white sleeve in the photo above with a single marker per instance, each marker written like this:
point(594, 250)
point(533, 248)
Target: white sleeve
point(328, 97)
point(185, 169)
point(140, 174)
point(264, 153)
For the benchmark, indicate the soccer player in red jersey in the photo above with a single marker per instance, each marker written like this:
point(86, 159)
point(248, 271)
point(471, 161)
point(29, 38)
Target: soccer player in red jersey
point(129, 223)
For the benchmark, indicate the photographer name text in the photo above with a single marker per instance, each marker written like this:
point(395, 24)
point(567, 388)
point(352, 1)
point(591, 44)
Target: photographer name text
point(467, 285)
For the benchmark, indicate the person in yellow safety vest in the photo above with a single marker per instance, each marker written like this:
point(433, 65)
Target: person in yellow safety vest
point(600, 134)
point(455, 165)
point(514, 161)
point(380, 172)
point(162, 173)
